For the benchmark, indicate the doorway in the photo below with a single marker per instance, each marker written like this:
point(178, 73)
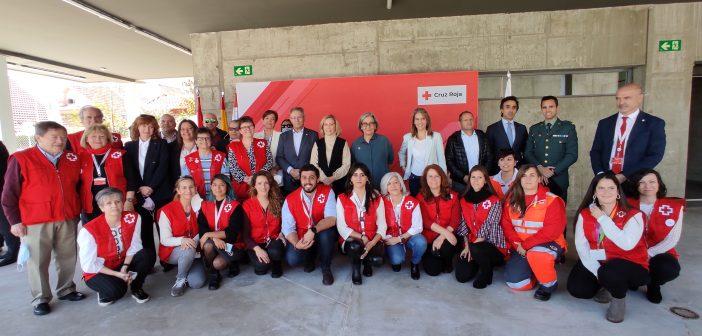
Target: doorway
point(693, 185)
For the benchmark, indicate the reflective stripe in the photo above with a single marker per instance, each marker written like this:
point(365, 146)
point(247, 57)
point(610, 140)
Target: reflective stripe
point(520, 284)
point(544, 250)
point(520, 229)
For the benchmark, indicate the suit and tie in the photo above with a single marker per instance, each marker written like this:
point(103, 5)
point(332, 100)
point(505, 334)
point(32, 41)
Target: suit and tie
point(294, 150)
point(644, 146)
point(505, 134)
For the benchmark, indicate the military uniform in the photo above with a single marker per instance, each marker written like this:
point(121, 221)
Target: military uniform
point(555, 146)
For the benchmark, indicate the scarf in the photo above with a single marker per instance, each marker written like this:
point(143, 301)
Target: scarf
point(99, 151)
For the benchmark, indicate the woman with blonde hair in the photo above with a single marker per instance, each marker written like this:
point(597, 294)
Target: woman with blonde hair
point(420, 148)
point(331, 154)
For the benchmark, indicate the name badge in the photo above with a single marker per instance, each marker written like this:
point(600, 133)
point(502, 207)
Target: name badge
point(99, 181)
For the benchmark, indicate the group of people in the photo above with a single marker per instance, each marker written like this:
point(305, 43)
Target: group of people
point(204, 201)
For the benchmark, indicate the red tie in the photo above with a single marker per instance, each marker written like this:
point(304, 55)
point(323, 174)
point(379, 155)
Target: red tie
point(618, 159)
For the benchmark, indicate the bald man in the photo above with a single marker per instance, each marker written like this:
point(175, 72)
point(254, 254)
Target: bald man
point(630, 140)
point(220, 138)
point(167, 123)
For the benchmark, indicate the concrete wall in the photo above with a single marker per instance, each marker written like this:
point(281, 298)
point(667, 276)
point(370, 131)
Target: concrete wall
point(574, 40)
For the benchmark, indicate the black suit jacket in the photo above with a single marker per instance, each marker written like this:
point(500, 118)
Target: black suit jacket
point(156, 170)
point(456, 160)
point(644, 148)
point(497, 137)
point(286, 156)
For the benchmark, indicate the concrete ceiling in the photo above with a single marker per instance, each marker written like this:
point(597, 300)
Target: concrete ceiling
point(55, 36)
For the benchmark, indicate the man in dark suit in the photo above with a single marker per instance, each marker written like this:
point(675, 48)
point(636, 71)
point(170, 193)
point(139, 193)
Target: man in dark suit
point(507, 133)
point(630, 140)
point(294, 150)
point(465, 149)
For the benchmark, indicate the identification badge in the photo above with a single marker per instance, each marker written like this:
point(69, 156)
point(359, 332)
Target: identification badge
point(99, 181)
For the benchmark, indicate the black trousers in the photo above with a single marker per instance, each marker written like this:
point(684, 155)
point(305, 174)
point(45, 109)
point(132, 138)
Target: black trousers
point(355, 249)
point(662, 268)
point(112, 288)
point(616, 275)
point(147, 229)
point(434, 262)
point(276, 252)
point(485, 257)
point(216, 259)
point(12, 241)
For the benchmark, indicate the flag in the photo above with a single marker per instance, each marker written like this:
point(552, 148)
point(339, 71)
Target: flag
point(235, 108)
point(223, 115)
point(199, 108)
point(508, 87)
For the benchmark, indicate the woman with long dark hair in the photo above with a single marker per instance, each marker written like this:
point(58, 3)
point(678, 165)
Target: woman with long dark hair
point(611, 246)
point(441, 214)
point(264, 241)
point(533, 221)
point(420, 148)
point(484, 241)
point(664, 221)
point(360, 219)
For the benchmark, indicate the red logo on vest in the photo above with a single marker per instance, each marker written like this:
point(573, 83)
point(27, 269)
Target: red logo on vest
point(665, 210)
point(129, 218)
point(228, 207)
point(116, 155)
point(487, 204)
point(260, 144)
point(409, 205)
point(71, 157)
point(218, 157)
point(114, 138)
point(621, 214)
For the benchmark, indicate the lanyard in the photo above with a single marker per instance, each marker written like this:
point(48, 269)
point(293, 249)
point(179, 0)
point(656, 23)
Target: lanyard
point(600, 232)
point(308, 210)
point(218, 214)
point(97, 166)
point(360, 211)
point(397, 211)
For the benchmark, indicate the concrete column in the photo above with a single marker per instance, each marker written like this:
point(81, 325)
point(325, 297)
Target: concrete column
point(7, 130)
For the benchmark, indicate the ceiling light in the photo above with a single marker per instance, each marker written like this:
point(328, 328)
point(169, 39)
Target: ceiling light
point(43, 71)
point(99, 13)
point(162, 40)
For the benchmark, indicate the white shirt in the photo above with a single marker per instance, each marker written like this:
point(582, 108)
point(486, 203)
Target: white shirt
point(345, 231)
point(288, 221)
point(183, 153)
point(417, 221)
point(143, 148)
point(505, 184)
point(631, 119)
point(87, 248)
point(419, 151)
point(507, 125)
point(297, 139)
point(472, 148)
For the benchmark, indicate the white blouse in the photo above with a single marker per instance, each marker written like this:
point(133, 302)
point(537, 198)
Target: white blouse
point(343, 228)
point(87, 248)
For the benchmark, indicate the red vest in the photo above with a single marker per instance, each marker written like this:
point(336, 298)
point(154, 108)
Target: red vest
point(298, 208)
point(192, 161)
point(49, 194)
point(74, 139)
point(665, 213)
point(112, 169)
point(264, 226)
point(241, 189)
point(638, 255)
point(181, 226)
point(439, 211)
point(106, 246)
point(370, 217)
point(475, 216)
point(407, 206)
point(208, 208)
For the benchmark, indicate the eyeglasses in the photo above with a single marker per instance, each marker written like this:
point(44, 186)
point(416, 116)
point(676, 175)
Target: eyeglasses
point(233, 128)
point(204, 138)
point(209, 121)
point(366, 124)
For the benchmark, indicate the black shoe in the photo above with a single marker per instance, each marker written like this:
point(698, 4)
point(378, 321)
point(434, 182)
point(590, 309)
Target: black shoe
point(356, 277)
point(482, 280)
point(448, 265)
point(140, 296)
point(215, 279)
point(367, 269)
point(327, 277)
point(276, 269)
point(42, 309)
point(309, 266)
point(653, 294)
point(543, 293)
point(233, 270)
point(7, 260)
point(75, 296)
point(396, 268)
point(414, 271)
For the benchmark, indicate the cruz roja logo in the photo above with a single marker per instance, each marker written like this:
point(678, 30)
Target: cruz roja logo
point(438, 95)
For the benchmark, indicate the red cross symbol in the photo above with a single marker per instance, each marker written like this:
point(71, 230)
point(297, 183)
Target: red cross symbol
point(426, 95)
point(665, 210)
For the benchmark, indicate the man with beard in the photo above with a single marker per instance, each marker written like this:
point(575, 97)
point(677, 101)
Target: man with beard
point(309, 220)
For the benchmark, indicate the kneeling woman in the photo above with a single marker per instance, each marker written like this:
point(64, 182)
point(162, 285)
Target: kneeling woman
point(220, 227)
point(484, 239)
point(611, 246)
point(360, 219)
point(441, 214)
point(177, 222)
point(664, 220)
point(533, 221)
point(404, 220)
point(111, 252)
point(264, 241)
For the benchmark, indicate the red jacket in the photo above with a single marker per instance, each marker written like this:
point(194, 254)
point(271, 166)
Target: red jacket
point(181, 226)
point(113, 170)
point(264, 226)
point(407, 206)
point(74, 139)
point(106, 246)
point(475, 216)
point(638, 255)
point(440, 211)
point(548, 214)
point(192, 161)
point(208, 209)
point(49, 194)
point(298, 208)
point(370, 226)
point(241, 189)
point(665, 213)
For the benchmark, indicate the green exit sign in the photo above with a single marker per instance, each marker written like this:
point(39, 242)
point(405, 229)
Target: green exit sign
point(669, 45)
point(243, 70)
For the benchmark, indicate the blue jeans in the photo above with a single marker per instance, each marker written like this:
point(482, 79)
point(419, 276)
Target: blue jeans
point(417, 244)
point(323, 246)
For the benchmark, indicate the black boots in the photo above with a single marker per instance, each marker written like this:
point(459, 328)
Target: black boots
point(214, 280)
point(356, 272)
point(397, 268)
point(367, 268)
point(653, 293)
point(414, 271)
point(327, 277)
point(233, 269)
point(448, 265)
point(276, 269)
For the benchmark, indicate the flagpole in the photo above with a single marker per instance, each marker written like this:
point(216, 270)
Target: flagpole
point(199, 107)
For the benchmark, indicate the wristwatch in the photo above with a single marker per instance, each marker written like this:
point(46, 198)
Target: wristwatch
point(314, 230)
